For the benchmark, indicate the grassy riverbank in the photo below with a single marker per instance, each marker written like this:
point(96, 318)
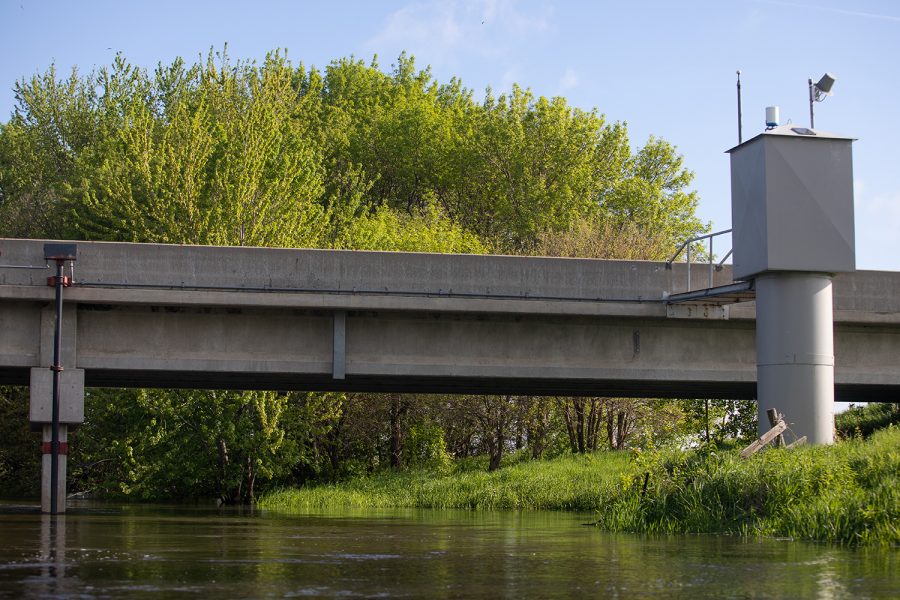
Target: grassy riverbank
point(569, 483)
point(848, 493)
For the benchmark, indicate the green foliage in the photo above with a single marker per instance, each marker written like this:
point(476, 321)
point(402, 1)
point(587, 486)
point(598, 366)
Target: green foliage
point(652, 193)
point(844, 493)
point(213, 154)
point(569, 483)
point(424, 230)
point(174, 444)
point(425, 447)
point(273, 154)
point(20, 455)
point(726, 419)
point(865, 420)
point(595, 238)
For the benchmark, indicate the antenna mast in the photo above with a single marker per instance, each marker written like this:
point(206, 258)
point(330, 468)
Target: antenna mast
point(740, 135)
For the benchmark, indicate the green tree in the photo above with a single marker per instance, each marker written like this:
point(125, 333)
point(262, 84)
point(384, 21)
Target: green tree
point(177, 444)
point(653, 194)
point(207, 155)
point(20, 458)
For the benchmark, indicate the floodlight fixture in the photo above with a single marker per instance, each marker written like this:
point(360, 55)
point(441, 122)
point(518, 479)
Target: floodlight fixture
point(818, 92)
point(823, 87)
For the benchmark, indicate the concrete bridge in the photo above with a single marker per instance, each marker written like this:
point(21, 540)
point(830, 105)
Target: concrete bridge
point(142, 315)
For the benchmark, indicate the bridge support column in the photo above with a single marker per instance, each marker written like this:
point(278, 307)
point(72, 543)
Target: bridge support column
point(71, 413)
point(47, 490)
point(795, 352)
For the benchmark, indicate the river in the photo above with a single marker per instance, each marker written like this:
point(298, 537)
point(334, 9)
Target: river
point(113, 551)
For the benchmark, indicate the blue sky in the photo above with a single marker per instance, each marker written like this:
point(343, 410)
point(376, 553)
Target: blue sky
point(665, 67)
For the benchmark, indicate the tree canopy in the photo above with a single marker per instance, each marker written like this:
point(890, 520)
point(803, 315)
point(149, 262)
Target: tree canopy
point(272, 154)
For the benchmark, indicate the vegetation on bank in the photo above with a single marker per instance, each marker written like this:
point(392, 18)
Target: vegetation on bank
point(848, 493)
point(863, 421)
point(572, 482)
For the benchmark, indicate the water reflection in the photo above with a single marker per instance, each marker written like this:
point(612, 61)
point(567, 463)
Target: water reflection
point(52, 557)
point(109, 552)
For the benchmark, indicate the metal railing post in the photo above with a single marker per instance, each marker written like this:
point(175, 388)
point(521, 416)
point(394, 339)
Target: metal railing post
point(689, 267)
point(686, 246)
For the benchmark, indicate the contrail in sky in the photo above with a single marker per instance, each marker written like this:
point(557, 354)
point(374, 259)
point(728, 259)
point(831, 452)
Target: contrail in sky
point(854, 13)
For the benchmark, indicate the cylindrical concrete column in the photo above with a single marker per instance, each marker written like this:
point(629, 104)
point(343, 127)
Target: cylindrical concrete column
point(795, 352)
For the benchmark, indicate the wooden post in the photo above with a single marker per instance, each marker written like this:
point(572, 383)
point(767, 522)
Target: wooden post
point(774, 417)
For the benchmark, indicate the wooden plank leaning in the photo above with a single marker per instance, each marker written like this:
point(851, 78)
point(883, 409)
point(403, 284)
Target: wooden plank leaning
point(764, 439)
point(798, 442)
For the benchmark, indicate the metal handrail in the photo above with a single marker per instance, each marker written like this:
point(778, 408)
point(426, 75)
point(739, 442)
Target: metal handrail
point(712, 266)
point(34, 267)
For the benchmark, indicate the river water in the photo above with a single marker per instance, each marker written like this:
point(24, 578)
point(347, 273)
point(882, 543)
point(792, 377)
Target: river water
point(111, 551)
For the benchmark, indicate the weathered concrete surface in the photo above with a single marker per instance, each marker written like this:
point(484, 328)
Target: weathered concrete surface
point(155, 315)
point(71, 396)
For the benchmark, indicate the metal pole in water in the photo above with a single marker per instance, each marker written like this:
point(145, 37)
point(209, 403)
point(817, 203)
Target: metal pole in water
point(61, 254)
point(57, 369)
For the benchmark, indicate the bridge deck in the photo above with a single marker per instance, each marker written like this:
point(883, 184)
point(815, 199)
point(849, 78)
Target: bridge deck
point(180, 316)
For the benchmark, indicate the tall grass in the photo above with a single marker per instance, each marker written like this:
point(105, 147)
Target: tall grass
point(570, 483)
point(848, 493)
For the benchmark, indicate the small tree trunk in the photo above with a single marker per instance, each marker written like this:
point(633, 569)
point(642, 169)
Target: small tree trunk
point(593, 424)
point(570, 427)
point(225, 493)
point(610, 429)
point(706, 403)
point(496, 450)
point(251, 480)
point(396, 433)
point(579, 423)
point(537, 433)
point(620, 430)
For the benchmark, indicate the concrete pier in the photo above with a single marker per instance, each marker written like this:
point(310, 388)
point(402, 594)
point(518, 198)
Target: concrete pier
point(795, 352)
point(46, 488)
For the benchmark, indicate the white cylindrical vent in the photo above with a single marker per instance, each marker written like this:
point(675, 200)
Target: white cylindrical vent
point(772, 116)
